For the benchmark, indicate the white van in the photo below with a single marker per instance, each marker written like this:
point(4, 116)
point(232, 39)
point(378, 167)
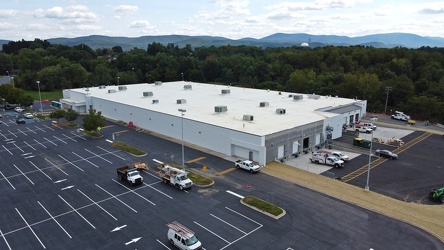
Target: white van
point(182, 237)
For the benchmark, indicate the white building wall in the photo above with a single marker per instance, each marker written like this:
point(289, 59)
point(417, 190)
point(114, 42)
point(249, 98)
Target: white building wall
point(336, 122)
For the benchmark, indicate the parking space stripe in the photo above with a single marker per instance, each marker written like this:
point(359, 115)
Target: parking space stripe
point(67, 137)
point(95, 203)
point(50, 141)
point(56, 166)
point(40, 170)
point(194, 160)
point(75, 210)
point(39, 129)
point(12, 133)
point(31, 130)
point(76, 135)
point(3, 236)
point(30, 228)
point(52, 217)
point(18, 147)
point(133, 191)
point(228, 223)
point(50, 127)
point(22, 132)
point(23, 174)
point(244, 216)
point(40, 143)
point(85, 159)
point(212, 232)
point(29, 145)
point(59, 139)
point(225, 171)
point(4, 177)
point(98, 156)
point(6, 138)
point(111, 153)
point(115, 197)
point(72, 163)
point(7, 149)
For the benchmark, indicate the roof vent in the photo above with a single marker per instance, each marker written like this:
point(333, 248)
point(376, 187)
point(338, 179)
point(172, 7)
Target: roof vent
point(264, 104)
point(226, 91)
point(181, 101)
point(122, 88)
point(111, 91)
point(298, 97)
point(313, 96)
point(155, 101)
point(248, 118)
point(220, 109)
point(280, 111)
point(148, 93)
point(158, 83)
point(290, 95)
point(187, 87)
point(102, 87)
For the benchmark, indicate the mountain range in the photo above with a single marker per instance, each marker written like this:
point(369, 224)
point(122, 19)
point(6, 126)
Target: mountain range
point(388, 40)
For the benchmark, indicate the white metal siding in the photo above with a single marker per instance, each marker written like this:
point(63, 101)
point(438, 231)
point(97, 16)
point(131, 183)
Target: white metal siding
point(295, 147)
point(281, 152)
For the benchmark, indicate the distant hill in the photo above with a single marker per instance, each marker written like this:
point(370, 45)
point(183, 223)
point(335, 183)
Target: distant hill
point(389, 40)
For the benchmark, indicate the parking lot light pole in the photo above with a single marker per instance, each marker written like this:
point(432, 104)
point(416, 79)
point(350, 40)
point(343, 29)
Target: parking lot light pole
point(40, 96)
point(367, 187)
point(183, 158)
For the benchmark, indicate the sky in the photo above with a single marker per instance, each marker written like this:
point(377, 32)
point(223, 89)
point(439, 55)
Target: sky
point(234, 19)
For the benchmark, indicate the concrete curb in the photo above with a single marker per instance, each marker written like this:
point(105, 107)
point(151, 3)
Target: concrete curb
point(266, 213)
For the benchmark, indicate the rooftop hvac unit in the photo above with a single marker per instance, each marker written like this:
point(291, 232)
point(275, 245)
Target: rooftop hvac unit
point(122, 88)
point(226, 91)
point(313, 96)
point(102, 87)
point(290, 95)
point(248, 118)
point(263, 104)
point(187, 87)
point(181, 101)
point(158, 83)
point(148, 93)
point(155, 101)
point(280, 111)
point(111, 91)
point(220, 109)
point(298, 97)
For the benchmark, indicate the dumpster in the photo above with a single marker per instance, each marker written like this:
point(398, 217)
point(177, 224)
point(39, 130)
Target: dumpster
point(360, 142)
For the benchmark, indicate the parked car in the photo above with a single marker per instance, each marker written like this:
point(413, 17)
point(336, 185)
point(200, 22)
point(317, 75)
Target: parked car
point(28, 115)
point(386, 153)
point(20, 120)
point(18, 109)
point(369, 125)
point(341, 156)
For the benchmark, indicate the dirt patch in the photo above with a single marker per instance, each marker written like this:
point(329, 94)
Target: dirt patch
point(426, 217)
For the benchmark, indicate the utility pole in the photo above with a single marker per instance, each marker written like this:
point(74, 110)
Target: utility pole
point(387, 91)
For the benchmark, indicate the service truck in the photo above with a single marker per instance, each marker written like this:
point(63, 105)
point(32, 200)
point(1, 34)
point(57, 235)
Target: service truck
point(129, 174)
point(398, 115)
point(247, 165)
point(327, 160)
point(174, 176)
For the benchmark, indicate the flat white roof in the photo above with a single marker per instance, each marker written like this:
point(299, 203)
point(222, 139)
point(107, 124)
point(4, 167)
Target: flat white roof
point(202, 99)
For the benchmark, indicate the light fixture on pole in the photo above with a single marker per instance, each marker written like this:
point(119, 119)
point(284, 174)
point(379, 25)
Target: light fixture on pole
point(183, 158)
point(367, 187)
point(133, 72)
point(387, 91)
point(182, 77)
point(40, 96)
point(118, 80)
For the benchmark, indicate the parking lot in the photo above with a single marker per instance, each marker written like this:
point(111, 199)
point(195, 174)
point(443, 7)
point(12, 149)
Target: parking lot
point(60, 191)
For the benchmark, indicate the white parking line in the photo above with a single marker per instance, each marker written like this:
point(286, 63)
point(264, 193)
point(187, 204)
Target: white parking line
point(40, 170)
point(56, 166)
point(49, 127)
point(149, 185)
point(22, 132)
point(39, 128)
point(59, 139)
point(29, 145)
point(3, 236)
point(6, 138)
point(52, 217)
point(212, 232)
point(6, 149)
point(95, 203)
point(18, 147)
point(76, 135)
point(71, 163)
point(85, 160)
point(67, 137)
point(228, 223)
point(50, 141)
point(23, 174)
point(31, 130)
point(11, 133)
point(75, 210)
point(31, 229)
point(133, 191)
point(7, 180)
point(111, 153)
point(163, 244)
point(115, 197)
point(40, 143)
point(233, 193)
point(98, 156)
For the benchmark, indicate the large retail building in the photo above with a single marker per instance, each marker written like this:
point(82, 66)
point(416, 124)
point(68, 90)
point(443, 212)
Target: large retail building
point(260, 125)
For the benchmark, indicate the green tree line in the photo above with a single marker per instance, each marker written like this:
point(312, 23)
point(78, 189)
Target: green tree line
point(413, 78)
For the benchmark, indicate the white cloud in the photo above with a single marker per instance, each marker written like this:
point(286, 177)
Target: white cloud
point(141, 24)
point(126, 9)
point(8, 13)
point(70, 14)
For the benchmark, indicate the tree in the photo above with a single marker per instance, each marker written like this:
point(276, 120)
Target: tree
point(58, 114)
point(71, 115)
point(93, 120)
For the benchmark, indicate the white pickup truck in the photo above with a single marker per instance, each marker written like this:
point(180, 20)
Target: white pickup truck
point(247, 165)
point(327, 160)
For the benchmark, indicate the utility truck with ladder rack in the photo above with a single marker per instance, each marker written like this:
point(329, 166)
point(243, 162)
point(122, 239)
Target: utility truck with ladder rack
point(174, 176)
